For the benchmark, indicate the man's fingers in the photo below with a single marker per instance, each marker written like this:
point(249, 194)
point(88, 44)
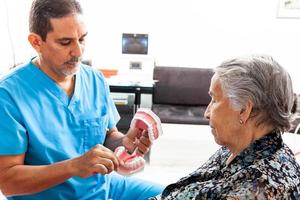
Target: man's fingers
point(98, 160)
point(129, 144)
point(145, 141)
point(103, 154)
point(103, 166)
point(101, 147)
point(145, 133)
point(143, 146)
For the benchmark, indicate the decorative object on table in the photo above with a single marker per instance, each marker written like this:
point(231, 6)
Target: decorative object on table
point(109, 72)
point(289, 9)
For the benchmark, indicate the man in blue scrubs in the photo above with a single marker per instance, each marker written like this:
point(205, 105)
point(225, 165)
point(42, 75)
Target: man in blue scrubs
point(58, 121)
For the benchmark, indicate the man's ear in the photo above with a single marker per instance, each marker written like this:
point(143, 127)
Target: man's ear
point(35, 40)
point(246, 111)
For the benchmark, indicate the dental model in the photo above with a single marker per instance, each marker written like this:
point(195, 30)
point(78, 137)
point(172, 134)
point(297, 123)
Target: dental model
point(132, 162)
point(144, 119)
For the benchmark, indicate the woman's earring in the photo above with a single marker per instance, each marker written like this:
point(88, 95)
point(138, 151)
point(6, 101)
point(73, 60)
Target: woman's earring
point(241, 121)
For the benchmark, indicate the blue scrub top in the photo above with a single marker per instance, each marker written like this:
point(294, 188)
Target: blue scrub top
point(40, 120)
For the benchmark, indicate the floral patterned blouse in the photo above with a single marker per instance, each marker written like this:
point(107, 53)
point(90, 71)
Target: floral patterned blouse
point(265, 170)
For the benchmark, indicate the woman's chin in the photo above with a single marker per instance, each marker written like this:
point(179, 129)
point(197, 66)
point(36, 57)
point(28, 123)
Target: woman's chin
point(213, 131)
point(217, 141)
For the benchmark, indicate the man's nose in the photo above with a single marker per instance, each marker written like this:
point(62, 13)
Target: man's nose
point(77, 49)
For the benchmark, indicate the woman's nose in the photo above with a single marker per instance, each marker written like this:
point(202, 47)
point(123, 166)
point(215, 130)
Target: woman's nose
point(207, 112)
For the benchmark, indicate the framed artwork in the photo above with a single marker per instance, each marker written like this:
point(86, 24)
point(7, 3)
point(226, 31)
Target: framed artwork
point(289, 9)
point(133, 43)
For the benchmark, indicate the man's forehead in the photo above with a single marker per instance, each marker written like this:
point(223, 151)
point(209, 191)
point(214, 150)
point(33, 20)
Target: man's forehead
point(68, 24)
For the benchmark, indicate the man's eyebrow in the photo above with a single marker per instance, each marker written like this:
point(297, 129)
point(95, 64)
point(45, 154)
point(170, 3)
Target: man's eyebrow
point(84, 35)
point(64, 38)
point(69, 38)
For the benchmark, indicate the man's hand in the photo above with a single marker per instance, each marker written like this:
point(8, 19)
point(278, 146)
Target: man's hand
point(98, 160)
point(137, 138)
point(36, 178)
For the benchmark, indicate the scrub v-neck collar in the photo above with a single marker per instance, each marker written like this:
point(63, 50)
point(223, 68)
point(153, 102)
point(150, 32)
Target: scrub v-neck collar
point(55, 89)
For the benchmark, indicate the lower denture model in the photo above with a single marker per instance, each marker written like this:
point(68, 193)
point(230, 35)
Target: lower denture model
point(144, 119)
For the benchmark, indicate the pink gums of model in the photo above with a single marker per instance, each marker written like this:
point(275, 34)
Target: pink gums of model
point(144, 119)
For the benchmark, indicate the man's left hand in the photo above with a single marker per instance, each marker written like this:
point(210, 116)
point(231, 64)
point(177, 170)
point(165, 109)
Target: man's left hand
point(137, 139)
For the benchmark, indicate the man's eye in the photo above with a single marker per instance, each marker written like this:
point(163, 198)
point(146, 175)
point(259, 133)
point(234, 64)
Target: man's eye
point(82, 41)
point(65, 43)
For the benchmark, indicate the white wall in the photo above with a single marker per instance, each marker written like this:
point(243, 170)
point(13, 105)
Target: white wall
point(192, 33)
point(13, 32)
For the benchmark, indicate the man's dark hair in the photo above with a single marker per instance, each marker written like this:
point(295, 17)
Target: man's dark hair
point(43, 10)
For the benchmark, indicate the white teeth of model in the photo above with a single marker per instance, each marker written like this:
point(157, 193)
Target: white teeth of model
point(135, 163)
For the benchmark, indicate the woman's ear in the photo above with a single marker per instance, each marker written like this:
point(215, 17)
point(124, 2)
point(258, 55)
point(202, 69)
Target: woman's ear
point(35, 40)
point(246, 111)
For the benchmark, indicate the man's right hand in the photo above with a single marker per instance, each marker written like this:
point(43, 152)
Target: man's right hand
point(36, 178)
point(98, 160)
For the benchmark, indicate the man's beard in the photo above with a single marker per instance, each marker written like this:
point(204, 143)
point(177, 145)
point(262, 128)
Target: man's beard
point(71, 70)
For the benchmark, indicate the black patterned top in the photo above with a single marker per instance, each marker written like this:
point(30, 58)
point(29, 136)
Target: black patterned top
point(265, 170)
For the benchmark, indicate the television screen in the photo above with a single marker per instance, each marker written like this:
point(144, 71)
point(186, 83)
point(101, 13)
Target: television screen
point(134, 43)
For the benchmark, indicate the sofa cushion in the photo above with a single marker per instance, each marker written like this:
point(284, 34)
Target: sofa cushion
point(181, 94)
point(181, 85)
point(180, 114)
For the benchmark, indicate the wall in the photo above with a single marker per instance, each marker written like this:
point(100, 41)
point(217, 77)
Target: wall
point(194, 33)
point(14, 47)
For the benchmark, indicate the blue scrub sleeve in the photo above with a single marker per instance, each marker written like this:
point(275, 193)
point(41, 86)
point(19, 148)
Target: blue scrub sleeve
point(13, 135)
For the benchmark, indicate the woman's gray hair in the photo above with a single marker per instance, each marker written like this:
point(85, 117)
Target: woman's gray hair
point(265, 83)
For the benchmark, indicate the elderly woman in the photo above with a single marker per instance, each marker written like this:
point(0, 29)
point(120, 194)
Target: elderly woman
point(251, 101)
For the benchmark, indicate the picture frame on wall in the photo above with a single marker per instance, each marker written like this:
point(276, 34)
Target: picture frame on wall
point(288, 9)
point(133, 43)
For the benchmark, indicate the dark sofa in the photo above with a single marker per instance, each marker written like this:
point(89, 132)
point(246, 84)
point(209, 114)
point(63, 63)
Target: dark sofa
point(181, 94)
